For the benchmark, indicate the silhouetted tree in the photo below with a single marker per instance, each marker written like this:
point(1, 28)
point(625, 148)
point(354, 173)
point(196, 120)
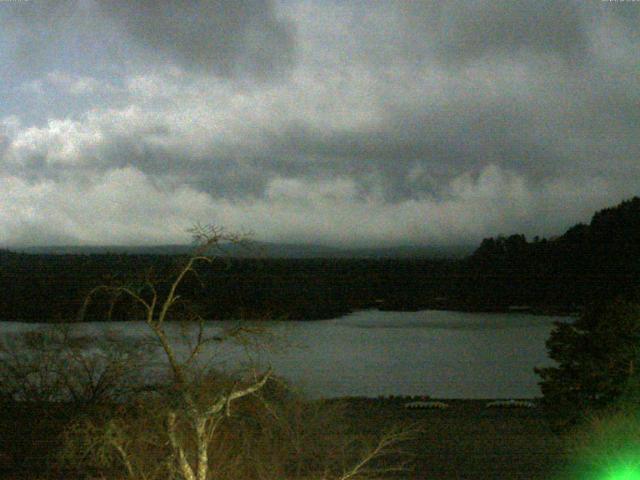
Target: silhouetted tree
point(598, 357)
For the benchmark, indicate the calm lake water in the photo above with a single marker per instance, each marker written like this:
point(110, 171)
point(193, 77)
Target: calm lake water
point(438, 353)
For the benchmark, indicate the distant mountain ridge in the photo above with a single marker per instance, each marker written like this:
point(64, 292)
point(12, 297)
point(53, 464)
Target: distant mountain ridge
point(613, 232)
point(559, 276)
point(260, 250)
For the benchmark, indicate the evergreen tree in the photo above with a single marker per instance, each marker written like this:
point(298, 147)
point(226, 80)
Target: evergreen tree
point(598, 358)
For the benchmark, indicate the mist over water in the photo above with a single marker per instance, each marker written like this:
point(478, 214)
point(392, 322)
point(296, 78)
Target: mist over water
point(438, 353)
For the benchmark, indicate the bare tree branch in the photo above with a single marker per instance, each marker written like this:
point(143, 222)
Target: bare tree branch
point(224, 400)
point(185, 468)
point(382, 448)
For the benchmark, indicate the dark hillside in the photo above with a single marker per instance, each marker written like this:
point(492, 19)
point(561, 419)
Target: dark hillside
point(596, 260)
point(557, 275)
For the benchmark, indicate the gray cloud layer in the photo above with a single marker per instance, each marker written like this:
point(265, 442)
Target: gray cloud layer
point(220, 37)
point(358, 123)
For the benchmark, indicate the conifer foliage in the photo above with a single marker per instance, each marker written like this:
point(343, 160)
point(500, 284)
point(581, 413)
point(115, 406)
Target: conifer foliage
point(598, 357)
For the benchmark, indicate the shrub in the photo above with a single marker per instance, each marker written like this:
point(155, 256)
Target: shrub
point(275, 434)
point(51, 364)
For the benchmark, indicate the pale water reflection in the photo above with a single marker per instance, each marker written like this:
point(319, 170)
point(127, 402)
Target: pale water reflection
point(439, 353)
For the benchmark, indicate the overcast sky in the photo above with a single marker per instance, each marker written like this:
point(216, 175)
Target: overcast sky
point(343, 123)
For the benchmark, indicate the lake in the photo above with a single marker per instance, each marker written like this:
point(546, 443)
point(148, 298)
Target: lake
point(443, 354)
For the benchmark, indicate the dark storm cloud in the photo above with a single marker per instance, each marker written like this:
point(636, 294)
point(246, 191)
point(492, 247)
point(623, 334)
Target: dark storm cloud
point(220, 173)
point(460, 31)
point(221, 37)
point(471, 30)
point(463, 135)
point(229, 39)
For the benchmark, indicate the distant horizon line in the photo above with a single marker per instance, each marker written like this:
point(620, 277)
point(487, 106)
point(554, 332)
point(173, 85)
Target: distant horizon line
point(259, 242)
point(260, 249)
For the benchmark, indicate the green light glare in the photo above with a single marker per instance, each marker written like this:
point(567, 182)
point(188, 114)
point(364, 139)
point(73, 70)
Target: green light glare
point(607, 447)
point(624, 472)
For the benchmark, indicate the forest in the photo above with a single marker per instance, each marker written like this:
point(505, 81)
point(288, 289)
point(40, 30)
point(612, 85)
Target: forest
point(558, 275)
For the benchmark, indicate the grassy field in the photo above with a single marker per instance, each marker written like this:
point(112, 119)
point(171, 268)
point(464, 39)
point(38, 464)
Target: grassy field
point(465, 441)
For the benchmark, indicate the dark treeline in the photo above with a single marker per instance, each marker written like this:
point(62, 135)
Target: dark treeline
point(587, 263)
point(52, 287)
point(560, 275)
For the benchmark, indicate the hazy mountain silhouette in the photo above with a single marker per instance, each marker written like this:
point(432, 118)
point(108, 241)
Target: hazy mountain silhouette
point(260, 250)
point(559, 275)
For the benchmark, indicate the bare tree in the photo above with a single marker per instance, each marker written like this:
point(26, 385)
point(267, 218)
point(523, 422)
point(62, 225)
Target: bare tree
point(53, 363)
point(193, 409)
point(202, 418)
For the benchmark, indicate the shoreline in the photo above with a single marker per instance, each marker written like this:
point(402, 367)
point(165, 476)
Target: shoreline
point(537, 311)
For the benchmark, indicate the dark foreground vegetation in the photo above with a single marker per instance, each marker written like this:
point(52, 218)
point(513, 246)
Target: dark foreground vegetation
point(267, 438)
point(466, 441)
point(558, 275)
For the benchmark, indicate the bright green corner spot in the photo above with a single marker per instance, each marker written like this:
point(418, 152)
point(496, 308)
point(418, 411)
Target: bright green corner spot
point(624, 472)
